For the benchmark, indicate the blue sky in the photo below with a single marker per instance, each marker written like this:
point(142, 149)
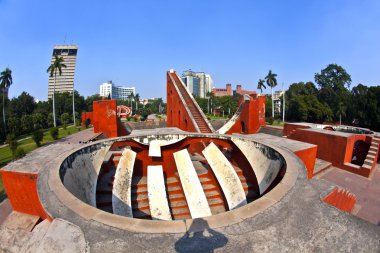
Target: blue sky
point(135, 42)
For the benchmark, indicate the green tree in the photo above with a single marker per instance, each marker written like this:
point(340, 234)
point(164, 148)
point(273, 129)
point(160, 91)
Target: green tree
point(261, 85)
point(5, 82)
point(39, 121)
point(272, 82)
point(333, 82)
point(57, 65)
point(91, 99)
point(27, 123)
point(14, 125)
point(21, 105)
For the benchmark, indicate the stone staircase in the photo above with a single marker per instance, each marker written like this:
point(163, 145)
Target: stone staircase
point(177, 200)
point(372, 154)
point(194, 110)
point(140, 201)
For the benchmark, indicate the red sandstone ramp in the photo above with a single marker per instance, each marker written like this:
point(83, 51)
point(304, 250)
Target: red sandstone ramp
point(182, 109)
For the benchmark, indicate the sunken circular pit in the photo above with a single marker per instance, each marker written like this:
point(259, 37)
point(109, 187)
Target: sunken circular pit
point(152, 183)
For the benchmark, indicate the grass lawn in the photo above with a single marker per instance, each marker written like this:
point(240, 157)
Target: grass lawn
point(29, 145)
point(276, 122)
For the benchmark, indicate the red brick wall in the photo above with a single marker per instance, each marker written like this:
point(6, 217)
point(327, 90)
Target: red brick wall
point(104, 117)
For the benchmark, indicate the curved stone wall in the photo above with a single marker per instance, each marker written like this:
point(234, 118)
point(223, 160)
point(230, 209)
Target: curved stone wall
point(79, 170)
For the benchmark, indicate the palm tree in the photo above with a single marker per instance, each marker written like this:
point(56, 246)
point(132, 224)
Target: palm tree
point(137, 99)
point(5, 83)
point(272, 82)
point(57, 65)
point(261, 85)
point(341, 112)
point(130, 97)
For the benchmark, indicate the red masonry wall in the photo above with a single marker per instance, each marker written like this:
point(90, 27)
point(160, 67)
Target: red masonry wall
point(104, 117)
point(252, 116)
point(22, 193)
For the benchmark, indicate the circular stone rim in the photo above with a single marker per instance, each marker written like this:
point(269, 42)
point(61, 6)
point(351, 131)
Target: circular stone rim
point(250, 210)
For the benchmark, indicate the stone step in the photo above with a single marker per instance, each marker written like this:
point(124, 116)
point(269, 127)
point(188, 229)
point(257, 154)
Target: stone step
point(365, 166)
point(145, 214)
point(320, 166)
point(216, 209)
point(369, 156)
point(210, 194)
point(140, 197)
point(372, 152)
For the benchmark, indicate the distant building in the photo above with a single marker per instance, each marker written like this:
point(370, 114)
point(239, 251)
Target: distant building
point(277, 95)
point(240, 90)
point(197, 83)
point(219, 92)
point(65, 81)
point(115, 92)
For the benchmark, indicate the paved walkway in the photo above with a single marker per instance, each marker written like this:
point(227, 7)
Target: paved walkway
point(367, 191)
point(5, 210)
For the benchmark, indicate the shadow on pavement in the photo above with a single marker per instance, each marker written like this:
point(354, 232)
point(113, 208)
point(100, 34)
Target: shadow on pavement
point(206, 240)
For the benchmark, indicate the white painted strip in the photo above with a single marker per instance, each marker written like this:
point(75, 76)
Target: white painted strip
point(195, 196)
point(121, 191)
point(155, 148)
point(158, 202)
point(226, 176)
point(264, 168)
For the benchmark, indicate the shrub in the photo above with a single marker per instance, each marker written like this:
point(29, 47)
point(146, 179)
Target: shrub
point(54, 132)
point(270, 120)
point(12, 142)
point(65, 119)
point(20, 152)
point(87, 122)
point(37, 137)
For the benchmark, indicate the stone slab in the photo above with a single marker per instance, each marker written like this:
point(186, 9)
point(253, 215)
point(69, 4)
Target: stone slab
point(195, 196)
point(17, 220)
point(226, 175)
point(63, 236)
point(122, 191)
point(158, 202)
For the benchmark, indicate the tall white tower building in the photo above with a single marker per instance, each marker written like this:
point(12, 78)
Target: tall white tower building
point(64, 82)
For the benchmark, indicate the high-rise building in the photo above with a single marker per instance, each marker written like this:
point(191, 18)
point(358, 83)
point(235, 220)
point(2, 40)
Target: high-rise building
point(65, 81)
point(116, 92)
point(197, 83)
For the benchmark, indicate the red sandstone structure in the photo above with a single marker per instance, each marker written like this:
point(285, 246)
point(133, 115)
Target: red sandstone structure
point(184, 112)
point(348, 148)
point(104, 118)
